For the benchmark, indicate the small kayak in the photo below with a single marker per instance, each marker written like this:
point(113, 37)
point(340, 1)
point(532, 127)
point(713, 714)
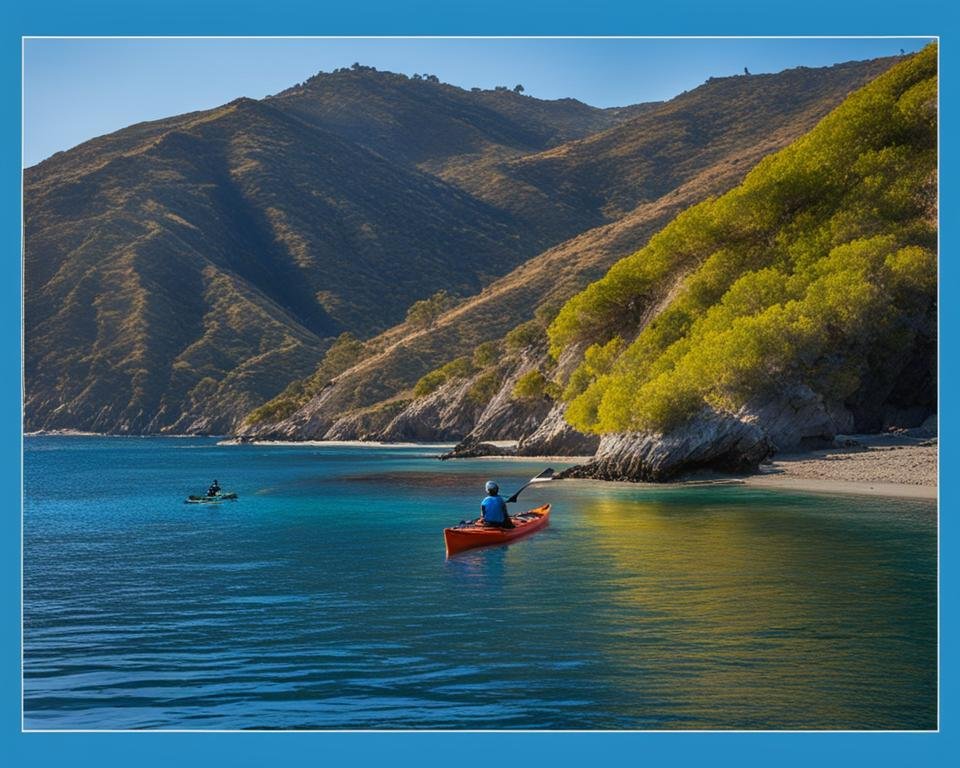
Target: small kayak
point(211, 499)
point(471, 535)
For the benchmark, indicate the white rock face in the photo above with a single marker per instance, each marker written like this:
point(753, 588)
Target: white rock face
point(537, 424)
point(445, 414)
point(725, 441)
point(554, 437)
point(505, 418)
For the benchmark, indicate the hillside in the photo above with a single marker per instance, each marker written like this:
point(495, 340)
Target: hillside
point(646, 157)
point(180, 271)
point(464, 137)
point(833, 235)
point(418, 121)
point(394, 361)
point(605, 176)
point(150, 259)
point(563, 167)
point(798, 305)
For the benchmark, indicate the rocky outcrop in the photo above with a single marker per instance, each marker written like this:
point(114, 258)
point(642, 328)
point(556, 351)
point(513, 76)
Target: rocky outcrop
point(554, 437)
point(536, 423)
point(366, 423)
point(454, 411)
point(505, 417)
point(475, 450)
point(724, 441)
point(309, 423)
point(445, 414)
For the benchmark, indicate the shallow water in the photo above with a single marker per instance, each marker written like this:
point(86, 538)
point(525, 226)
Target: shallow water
point(322, 599)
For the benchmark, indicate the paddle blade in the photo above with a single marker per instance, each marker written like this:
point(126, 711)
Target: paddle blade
point(547, 474)
point(543, 477)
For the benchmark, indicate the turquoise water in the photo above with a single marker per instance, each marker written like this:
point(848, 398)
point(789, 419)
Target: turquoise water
point(322, 599)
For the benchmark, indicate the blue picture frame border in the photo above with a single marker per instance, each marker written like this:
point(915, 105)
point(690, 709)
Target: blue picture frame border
point(495, 17)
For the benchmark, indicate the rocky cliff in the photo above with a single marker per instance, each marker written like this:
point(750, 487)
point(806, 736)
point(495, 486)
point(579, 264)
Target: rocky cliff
point(717, 440)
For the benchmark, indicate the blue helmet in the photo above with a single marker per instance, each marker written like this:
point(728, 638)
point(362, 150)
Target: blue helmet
point(492, 487)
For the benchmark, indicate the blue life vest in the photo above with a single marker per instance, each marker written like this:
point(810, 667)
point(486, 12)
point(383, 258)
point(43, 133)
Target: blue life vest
point(494, 509)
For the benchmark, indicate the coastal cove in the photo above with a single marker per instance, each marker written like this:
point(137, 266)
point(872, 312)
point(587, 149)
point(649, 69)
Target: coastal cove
point(681, 265)
point(322, 598)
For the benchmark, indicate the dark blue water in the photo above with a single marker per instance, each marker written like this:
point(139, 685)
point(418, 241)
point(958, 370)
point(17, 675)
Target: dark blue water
point(322, 599)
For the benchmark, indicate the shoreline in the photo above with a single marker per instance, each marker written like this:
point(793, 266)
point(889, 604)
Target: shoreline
point(335, 443)
point(80, 433)
point(514, 457)
point(901, 464)
point(841, 487)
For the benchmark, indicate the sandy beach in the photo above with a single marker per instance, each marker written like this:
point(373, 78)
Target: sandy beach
point(894, 464)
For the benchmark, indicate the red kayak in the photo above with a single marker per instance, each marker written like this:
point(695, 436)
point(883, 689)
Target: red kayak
point(470, 535)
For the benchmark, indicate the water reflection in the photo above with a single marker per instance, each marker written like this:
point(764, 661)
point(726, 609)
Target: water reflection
point(480, 570)
point(762, 615)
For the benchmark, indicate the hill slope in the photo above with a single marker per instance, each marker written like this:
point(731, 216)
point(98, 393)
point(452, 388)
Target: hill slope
point(141, 259)
point(403, 354)
point(603, 177)
point(463, 137)
point(179, 271)
point(431, 123)
point(800, 304)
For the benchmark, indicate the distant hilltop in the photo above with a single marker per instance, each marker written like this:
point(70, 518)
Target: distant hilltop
point(358, 67)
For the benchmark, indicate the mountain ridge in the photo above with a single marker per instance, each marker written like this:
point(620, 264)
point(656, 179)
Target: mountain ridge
point(313, 233)
point(563, 269)
point(182, 271)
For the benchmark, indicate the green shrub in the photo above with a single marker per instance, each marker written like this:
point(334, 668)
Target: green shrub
point(276, 410)
point(486, 354)
point(428, 383)
point(345, 352)
point(530, 386)
point(484, 387)
point(547, 312)
point(818, 269)
point(459, 368)
point(525, 335)
point(424, 313)
point(533, 385)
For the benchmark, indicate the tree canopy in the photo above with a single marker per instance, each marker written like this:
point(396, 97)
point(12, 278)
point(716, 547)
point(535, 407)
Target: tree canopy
point(819, 268)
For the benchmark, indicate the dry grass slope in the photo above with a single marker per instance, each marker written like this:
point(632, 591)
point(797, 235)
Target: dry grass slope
point(743, 119)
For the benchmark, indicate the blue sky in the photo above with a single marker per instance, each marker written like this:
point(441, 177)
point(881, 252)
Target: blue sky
point(76, 89)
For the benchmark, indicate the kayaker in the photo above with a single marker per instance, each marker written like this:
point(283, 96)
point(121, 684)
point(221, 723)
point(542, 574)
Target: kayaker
point(214, 489)
point(493, 509)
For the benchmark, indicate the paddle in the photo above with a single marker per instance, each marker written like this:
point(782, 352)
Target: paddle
point(543, 477)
